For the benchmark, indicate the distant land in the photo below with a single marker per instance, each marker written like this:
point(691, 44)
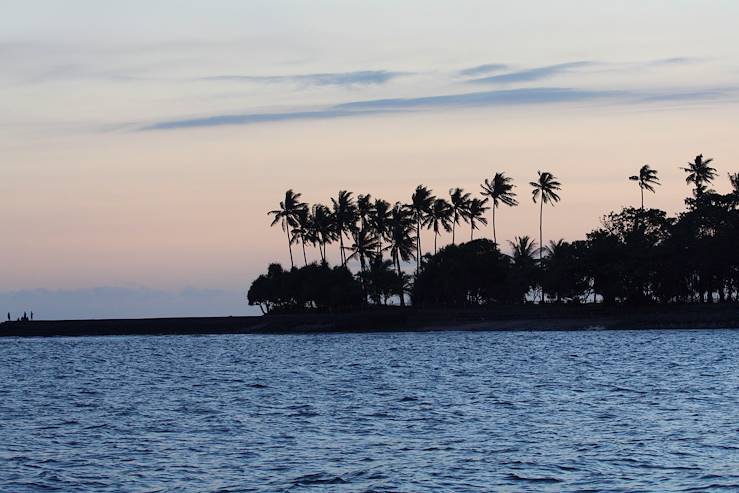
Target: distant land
point(392, 319)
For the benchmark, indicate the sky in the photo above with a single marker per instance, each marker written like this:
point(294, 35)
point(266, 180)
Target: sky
point(143, 142)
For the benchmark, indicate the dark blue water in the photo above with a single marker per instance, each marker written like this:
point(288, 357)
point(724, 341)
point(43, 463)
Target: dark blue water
point(444, 411)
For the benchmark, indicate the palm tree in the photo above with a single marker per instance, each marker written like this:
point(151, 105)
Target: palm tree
point(523, 250)
point(301, 229)
point(401, 241)
point(476, 213)
point(364, 246)
point(364, 209)
point(286, 215)
point(460, 201)
point(439, 216)
point(700, 174)
point(646, 178)
point(421, 202)
point(345, 218)
point(322, 226)
point(734, 179)
point(500, 191)
point(545, 190)
point(379, 220)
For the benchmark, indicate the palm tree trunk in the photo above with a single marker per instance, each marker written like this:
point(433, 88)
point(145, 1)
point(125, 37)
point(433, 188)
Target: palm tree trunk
point(305, 259)
point(495, 237)
point(541, 242)
point(341, 248)
point(418, 243)
point(290, 247)
point(400, 281)
point(436, 235)
point(642, 199)
point(472, 228)
point(454, 223)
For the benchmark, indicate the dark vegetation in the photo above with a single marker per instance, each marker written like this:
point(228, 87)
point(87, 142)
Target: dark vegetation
point(637, 256)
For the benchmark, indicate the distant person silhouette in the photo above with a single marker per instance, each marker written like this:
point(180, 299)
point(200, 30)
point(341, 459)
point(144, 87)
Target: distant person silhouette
point(31, 315)
point(25, 317)
point(8, 316)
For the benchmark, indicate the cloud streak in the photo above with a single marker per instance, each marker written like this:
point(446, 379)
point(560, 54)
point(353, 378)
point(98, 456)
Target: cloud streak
point(532, 74)
point(510, 97)
point(361, 77)
point(483, 69)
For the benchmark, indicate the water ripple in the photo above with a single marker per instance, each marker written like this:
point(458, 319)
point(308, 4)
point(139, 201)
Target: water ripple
point(442, 411)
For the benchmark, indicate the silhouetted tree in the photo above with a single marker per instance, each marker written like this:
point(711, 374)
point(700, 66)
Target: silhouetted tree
point(345, 218)
point(524, 272)
point(401, 242)
point(734, 179)
point(545, 190)
point(322, 228)
point(500, 191)
point(420, 205)
point(646, 179)
point(379, 220)
point(460, 201)
point(475, 213)
point(700, 174)
point(287, 215)
point(439, 217)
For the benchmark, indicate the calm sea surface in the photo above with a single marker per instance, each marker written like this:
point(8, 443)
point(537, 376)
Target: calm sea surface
point(445, 411)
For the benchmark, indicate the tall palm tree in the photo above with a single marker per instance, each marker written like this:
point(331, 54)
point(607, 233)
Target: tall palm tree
point(439, 216)
point(286, 215)
point(545, 190)
point(421, 201)
point(646, 178)
point(476, 214)
point(301, 229)
point(322, 226)
point(401, 241)
point(700, 174)
point(345, 218)
point(460, 201)
point(379, 220)
point(500, 191)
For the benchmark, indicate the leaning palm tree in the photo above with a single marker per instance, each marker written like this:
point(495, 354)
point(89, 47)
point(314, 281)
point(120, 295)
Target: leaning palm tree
point(439, 216)
point(460, 201)
point(322, 226)
point(500, 191)
point(421, 202)
point(345, 218)
point(545, 190)
point(401, 241)
point(379, 220)
point(286, 215)
point(700, 174)
point(646, 178)
point(475, 214)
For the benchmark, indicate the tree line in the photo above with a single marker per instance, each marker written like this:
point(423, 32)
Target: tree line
point(637, 255)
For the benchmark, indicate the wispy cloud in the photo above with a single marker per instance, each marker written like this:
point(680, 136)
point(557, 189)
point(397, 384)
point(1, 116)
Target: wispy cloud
point(362, 77)
point(483, 69)
point(676, 61)
point(355, 108)
point(532, 74)
point(497, 98)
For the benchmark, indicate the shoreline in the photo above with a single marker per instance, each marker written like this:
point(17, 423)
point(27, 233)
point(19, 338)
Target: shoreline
point(393, 319)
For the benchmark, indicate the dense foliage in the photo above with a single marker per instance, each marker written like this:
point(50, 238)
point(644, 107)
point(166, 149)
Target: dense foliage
point(637, 255)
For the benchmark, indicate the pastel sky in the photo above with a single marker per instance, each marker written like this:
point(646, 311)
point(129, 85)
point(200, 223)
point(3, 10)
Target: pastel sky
point(142, 142)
